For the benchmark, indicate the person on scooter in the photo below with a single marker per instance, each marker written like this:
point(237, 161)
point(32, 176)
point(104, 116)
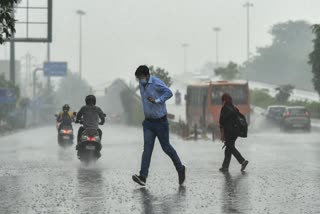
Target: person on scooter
point(89, 116)
point(65, 118)
point(178, 97)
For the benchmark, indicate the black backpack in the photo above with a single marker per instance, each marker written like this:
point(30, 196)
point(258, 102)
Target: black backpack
point(240, 126)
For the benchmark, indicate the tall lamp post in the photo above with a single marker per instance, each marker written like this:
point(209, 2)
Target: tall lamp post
point(217, 30)
point(247, 6)
point(80, 13)
point(185, 46)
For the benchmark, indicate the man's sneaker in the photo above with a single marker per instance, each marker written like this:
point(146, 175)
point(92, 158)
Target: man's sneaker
point(223, 169)
point(182, 175)
point(139, 180)
point(244, 165)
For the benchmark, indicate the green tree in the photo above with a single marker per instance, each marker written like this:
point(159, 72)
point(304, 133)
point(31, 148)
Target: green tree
point(162, 74)
point(229, 72)
point(286, 59)
point(132, 106)
point(7, 21)
point(261, 98)
point(314, 58)
point(208, 68)
point(7, 84)
point(6, 108)
point(284, 93)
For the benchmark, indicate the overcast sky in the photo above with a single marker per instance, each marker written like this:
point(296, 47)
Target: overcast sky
point(119, 35)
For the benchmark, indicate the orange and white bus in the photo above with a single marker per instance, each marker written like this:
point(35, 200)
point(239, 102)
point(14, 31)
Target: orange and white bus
point(203, 103)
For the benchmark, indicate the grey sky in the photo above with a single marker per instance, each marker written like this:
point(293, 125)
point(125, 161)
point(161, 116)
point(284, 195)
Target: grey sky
point(121, 34)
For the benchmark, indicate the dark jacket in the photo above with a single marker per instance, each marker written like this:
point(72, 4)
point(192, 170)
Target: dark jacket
point(227, 119)
point(91, 115)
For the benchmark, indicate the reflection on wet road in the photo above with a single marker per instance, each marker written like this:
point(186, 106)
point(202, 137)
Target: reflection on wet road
point(36, 176)
point(169, 204)
point(90, 190)
point(234, 194)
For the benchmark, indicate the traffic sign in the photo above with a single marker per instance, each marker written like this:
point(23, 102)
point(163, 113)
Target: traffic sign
point(8, 95)
point(55, 69)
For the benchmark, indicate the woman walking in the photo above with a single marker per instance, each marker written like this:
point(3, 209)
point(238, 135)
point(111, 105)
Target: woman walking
point(229, 133)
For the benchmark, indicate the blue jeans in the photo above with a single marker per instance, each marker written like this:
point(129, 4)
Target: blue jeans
point(151, 130)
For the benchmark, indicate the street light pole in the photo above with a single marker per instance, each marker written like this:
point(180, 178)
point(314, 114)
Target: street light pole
point(217, 30)
point(48, 60)
point(247, 6)
point(185, 46)
point(12, 56)
point(80, 13)
point(12, 60)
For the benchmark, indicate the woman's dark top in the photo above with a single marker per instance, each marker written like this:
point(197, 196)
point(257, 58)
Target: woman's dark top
point(227, 119)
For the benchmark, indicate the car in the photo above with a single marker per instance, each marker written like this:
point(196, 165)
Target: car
point(274, 113)
point(295, 117)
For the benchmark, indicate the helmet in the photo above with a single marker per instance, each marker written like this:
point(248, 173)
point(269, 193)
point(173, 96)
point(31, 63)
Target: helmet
point(90, 100)
point(65, 107)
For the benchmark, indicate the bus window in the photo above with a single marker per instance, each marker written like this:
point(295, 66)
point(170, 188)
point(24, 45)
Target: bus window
point(196, 95)
point(216, 95)
point(239, 94)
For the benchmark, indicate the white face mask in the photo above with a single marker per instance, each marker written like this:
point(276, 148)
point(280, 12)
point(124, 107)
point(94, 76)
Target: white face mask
point(143, 81)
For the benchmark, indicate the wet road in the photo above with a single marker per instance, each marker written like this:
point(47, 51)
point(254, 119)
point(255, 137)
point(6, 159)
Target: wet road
point(36, 176)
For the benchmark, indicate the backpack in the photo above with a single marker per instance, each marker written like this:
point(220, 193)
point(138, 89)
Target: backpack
point(240, 126)
point(66, 118)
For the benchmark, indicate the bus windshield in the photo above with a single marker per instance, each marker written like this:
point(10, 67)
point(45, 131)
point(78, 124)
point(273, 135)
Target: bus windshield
point(239, 94)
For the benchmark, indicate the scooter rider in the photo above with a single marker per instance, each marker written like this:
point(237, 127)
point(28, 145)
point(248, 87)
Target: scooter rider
point(178, 97)
point(65, 118)
point(89, 115)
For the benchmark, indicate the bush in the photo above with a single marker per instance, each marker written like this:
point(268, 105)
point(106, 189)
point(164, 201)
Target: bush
point(261, 98)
